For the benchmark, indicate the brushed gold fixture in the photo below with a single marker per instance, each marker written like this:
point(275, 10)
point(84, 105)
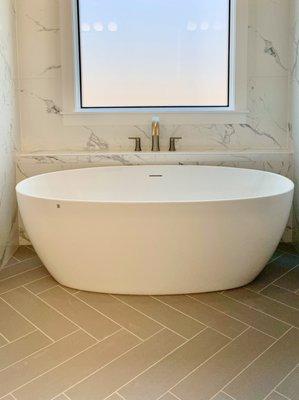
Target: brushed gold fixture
point(155, 134)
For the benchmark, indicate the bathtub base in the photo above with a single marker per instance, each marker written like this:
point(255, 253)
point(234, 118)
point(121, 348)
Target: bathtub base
point(157, 249)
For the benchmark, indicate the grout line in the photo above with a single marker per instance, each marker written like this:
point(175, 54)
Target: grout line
point(256, 309)
point(197, 320)
point(277, 279)
point(160, 323)
point(77, 291)
point(273, 259)
point(63, 362)
point(174, 395)
point(63, 315)
point(66, 396)
point(42, 348)
point(19, 338)
point(122, 397)
point(161, 359)
point(23, 316)
point(253, 361)
point(38, 279)
point(282, 380)
point(245, 323)
point(116, 358)
point(205, 361)
point(6, 339)
point(24, 259)
point(21, 273)
point(43, 291)
point(228, 395)
point(104, 315)
point(282, 395)
point(28, 247)
point(283, 288)
point(277, 301)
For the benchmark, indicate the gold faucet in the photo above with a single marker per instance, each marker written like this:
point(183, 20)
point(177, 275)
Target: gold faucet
point(155, 134)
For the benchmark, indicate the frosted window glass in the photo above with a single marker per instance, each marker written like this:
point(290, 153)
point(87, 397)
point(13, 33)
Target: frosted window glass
point(154, 53)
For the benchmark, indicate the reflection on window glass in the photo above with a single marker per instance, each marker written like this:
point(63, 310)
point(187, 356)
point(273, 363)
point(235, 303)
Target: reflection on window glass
point(154, 53)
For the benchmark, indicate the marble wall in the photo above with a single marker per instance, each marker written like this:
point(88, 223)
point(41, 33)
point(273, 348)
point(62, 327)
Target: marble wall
point(41, 103)
point(9, 130)
point(294, 112)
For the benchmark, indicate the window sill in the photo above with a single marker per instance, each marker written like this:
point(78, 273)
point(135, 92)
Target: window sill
point(118, 118)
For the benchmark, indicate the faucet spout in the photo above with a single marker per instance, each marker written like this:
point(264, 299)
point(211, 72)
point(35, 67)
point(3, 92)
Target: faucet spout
point(155, 135)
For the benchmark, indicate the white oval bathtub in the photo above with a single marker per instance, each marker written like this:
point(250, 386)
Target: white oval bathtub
point(155, 229)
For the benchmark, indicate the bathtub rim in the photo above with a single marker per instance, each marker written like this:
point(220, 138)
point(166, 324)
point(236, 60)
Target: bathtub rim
point(134, 202)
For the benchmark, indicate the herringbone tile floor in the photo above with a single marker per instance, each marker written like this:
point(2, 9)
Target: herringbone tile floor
point(59, 343)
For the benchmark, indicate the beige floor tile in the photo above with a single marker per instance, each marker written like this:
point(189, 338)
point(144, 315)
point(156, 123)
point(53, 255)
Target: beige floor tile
point(165, 315)
point(273, 271)
point(22, 279)
point(290, 386)
point(166, 373)
point(22, 348)
point(264, 304)
point(124, 315)
point(79, 367)
point(41, 285)
point(284, 296)
point(258, 380)
point(93, 322)
point(23, 371)
point(222, 396)
point(40, 314)
point(23, 253)
point(61, 397)
point(12, 324)
point(290, 281)
point(114, 396)
point(20, 267)
point(275, 396)
point(205, 314)
point(106, 381)
point(245, 314)
point(69, 289)
point(8, 397)
point(168, 396)
point(10, 262)
point(213, 375)
point(3, 341)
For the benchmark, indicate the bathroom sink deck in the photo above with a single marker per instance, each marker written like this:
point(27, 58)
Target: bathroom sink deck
point(60, 343)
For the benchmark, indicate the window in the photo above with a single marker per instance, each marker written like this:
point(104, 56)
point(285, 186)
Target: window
point(154, 53)
point(124, 61)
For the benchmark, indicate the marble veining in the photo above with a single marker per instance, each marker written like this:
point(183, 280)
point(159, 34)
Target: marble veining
point(269, 49)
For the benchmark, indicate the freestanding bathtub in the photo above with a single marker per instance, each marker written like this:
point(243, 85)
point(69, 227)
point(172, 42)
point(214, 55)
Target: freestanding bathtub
point(155, 229)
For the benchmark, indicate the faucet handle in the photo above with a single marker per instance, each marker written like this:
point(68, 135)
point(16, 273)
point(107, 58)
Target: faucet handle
point(137, 142)
point(172, 141)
